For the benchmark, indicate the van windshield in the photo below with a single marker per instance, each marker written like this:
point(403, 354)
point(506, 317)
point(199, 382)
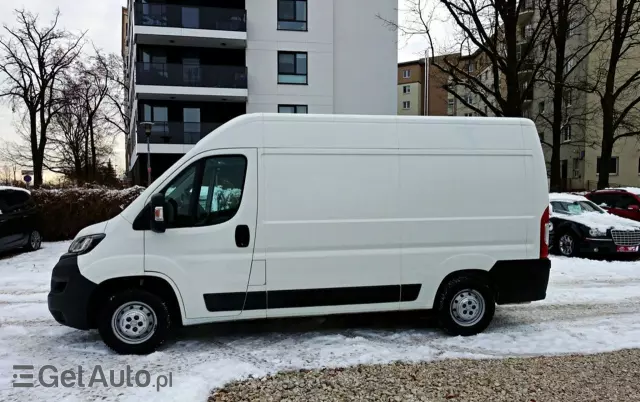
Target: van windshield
point(575, 207)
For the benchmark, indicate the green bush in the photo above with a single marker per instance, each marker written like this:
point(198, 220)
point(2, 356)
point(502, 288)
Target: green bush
point(64, 212)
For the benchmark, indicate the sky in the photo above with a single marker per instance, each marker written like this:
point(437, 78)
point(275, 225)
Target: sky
point(101, 20)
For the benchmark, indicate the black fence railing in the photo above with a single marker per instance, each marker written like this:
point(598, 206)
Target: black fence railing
point(193, 17)
point(176, 132)
point(191, 75)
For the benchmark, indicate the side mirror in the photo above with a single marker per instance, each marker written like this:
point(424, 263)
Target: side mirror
point(634, 207)
point(158, 224)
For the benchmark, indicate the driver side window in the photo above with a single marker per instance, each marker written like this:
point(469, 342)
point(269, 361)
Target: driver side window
point(209, 192)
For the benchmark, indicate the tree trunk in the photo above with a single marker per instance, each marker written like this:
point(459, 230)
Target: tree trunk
point(607, 140)
point(86, 158)
point(556, 124)
point(93, 151)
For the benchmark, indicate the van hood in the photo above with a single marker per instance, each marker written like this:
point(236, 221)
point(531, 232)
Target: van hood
point(600, 221)
point(96, 228)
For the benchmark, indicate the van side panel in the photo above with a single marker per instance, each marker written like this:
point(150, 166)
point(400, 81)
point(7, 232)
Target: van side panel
point(329, 231)
point(463, 201)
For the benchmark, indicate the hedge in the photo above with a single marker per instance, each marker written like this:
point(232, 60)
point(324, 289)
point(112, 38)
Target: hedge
point(64, 212)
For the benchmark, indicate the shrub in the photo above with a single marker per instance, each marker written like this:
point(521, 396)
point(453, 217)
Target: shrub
point(64, 212)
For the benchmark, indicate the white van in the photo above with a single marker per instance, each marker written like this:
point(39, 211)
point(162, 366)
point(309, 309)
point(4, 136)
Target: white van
point(279, 215)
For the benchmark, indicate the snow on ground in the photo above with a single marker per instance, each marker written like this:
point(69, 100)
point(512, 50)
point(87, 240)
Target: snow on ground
point(592, 306)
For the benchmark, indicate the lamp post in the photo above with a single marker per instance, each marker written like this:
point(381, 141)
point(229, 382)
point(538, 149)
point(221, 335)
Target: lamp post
point(426, 80)
point(147, 131)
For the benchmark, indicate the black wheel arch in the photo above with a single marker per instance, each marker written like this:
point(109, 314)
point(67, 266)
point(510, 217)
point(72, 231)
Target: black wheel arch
point(151, 284)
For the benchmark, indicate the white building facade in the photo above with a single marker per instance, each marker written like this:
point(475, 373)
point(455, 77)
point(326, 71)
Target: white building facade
point(193, 65)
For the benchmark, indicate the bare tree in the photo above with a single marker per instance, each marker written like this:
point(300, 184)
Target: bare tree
point(616, 80)
point(91, 88)
point(32, 61)
point(117, 111)
point(563, 73)
point(488, 38)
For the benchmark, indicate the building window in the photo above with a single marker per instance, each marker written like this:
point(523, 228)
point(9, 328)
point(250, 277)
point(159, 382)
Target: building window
point(406, 89)
point(541, 136)
point(292, 68)
point(571, 29)
point(468, 114)
point(406, 74)
point(566, 133)
point(567, 98)
point(469, 98)
point(486, 110)
point(541, 107)
point(299, 109)
point(451, 108)
point(470, 67)
point(569, 66)
point(576, 168)
point(292, 15)
point(613, 166)
point(406, 105)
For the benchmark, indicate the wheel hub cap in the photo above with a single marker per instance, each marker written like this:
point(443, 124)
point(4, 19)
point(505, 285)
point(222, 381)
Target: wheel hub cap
point(467, 307)
point(134, 322)
point(566, 245)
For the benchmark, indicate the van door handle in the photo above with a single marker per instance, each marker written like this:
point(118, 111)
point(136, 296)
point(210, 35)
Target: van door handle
point(243, 236)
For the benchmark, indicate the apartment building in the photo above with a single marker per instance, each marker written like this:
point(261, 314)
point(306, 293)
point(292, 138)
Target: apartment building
point(195, 64)
point(582, 122)
point(420, 89)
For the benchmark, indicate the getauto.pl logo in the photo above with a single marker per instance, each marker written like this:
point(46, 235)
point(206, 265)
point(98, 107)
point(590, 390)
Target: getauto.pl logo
point(51, 376)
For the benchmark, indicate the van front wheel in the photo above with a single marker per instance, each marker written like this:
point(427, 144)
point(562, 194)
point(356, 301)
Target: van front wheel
point(466, 306)
point(134, 322)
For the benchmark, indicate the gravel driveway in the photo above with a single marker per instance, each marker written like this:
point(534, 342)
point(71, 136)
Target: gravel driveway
point(602, 377)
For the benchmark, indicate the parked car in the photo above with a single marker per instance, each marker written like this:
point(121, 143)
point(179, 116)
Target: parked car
point(579, 226)
point(18, 220)
point(624, 202)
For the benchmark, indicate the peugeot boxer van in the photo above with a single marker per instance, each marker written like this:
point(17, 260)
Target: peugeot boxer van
point(281, 215)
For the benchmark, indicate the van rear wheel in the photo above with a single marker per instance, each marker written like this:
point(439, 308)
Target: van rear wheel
point(134, 322)
point(466, 306)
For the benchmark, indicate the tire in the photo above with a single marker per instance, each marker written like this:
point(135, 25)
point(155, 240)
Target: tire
point(469, 291)
point(562, 249)
point(154, 319)
point(34, 242)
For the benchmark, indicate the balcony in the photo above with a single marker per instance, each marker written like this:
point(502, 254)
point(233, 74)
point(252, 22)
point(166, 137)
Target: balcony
point(191, 82)
point(183, 25)
point(526, 11)
point(173, 132)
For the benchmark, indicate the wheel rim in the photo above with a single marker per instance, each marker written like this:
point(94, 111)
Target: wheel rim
point(467, 307)
point(566, 245)
point(134, 322)
point(35, 239)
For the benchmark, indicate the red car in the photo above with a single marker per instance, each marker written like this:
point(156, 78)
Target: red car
point(623, 202)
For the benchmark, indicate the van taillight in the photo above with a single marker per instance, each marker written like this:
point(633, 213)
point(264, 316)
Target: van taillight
point(544, 234)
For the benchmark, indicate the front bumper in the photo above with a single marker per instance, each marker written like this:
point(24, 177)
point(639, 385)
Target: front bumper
point(519, 281)
point(70, 294)
point(602, 247)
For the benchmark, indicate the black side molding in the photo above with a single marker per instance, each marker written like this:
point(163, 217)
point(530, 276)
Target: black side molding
point(276, 299)
point(518, 281)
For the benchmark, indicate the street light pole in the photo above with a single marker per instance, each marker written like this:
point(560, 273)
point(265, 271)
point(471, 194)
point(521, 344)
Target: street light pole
point(147, 131)
point(426, 80)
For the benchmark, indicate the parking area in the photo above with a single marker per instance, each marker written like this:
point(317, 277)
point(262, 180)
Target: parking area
point(592, 306)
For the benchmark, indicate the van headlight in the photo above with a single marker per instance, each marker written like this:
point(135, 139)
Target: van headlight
point(597, 233)
point(85, 244)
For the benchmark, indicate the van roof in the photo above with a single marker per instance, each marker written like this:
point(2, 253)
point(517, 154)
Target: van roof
point(369, 131)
